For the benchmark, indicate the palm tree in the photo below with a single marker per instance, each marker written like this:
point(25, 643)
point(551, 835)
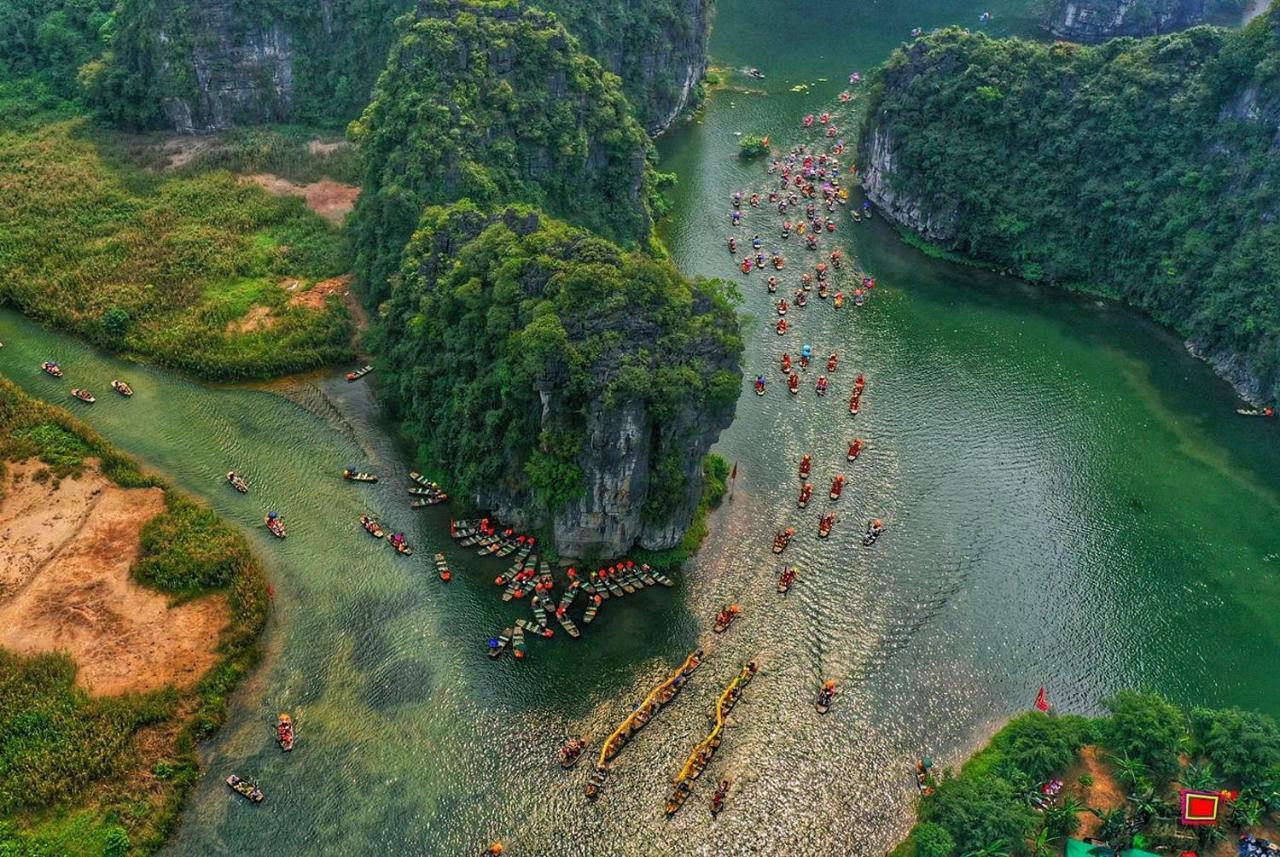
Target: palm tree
point(1199, 777)
point(1042, 845)
point(1247, 813)
point(999, 848)
point(1129, 769)
point(1061, 818)
point(1113, 825)
point(1148, 805)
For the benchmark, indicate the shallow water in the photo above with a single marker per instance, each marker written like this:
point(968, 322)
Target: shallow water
point(1070, 500)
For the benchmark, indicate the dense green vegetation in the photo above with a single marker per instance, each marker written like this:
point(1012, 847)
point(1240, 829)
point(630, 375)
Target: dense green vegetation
point(184, 270)
point(1139, 168)
point(76, 776)
point(51, 39)
point(497, 313)
point(1151, 748)
point(516, 113)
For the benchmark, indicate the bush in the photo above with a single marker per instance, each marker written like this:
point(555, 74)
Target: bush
point(1147, 727)
point(1243, 745)
point(188, 549)
point(980, 810)
point(1039, 745)
point(751, 146)
point(932, 840)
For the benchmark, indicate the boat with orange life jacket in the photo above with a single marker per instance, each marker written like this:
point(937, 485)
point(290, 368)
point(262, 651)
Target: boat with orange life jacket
point(400, 544)
point(782, 539)
point(874, 529)
point(371, 526)
point(826, 695)
point(838, 300)
point(51, 368)
point(822, 385)
point(786, 363)
point(855, 404)
point(284, 732)
point(833, 361)
point(825, 523)
point(359, 373)
point(805, 464)
point(442, 568)
point(793, 384)
point(782, 326)
point(725, 618)
point(859, 383)
point(783, 306)
point(785, 580)
point(806, 491)
point(855, 449)
point(837, 485)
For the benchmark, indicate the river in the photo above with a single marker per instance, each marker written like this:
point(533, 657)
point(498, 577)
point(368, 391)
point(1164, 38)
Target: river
point(1071, 502)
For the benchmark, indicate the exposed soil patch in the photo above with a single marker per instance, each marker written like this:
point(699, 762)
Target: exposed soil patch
point(330, 199)
point(65, 555)
point(181, 150)
point(315, 296)
point(1104, 793)
point(326, 148)
point(257, 318)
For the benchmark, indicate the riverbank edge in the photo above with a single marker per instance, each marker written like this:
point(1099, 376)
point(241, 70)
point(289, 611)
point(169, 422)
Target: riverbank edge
point(1229, 366)
point(200, 710)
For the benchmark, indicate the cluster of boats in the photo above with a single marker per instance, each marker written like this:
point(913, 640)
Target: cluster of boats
point(425, 492)
point(682, 784)
point(54, 370)
point(636, 720)
point(285, 738)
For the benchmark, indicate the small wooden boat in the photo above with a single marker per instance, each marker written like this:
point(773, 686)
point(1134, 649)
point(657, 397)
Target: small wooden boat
point(855, 449)
point(354, 476)
point(442, 568)
point(284, 732)
point(825, 696)
point(855, 405)
point(806, 491)
point(622, 579)
point(275, 524)
point(718, 799)
point(571, 752)
point(857, 215)
point(646, 574)
point(518, 646)
point(1255, 412)
point(782, 539)
point(805, 466)
point(825, 523)
point(874, 529)
point(837, 486)
point(596, 782)
point(661, 578)
point(592, 609)
point(415, 476)
point(785, 580)
point(756, 73)
point(82, 395)
point(359, 373)
point(372, 527)
point(423, 492)
point(498, 644)
point(539, 613)
point(613, 587)
point(725, 618)
point(122, 388)
point(400, 545)
point(51, 368)
point(246, 789)
point(237, 482)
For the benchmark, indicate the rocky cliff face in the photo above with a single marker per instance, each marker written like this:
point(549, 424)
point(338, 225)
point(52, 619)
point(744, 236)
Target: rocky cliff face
point(935, 218)
point(559, 382)
point(213, 64)
point(1097, 20)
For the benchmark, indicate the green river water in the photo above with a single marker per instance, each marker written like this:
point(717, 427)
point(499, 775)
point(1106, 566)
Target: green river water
point(1071, 502)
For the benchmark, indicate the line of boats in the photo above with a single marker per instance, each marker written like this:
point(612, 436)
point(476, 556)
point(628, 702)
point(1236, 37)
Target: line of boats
point(682, 784)
point(636, 720)
point(54, 370)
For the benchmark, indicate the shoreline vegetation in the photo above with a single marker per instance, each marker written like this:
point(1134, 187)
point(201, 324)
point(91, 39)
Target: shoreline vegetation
point(1115, 778)
point(84, 774)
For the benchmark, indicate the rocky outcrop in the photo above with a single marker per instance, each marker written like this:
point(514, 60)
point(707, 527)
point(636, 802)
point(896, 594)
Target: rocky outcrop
point(564, 385)
point(209, 65)
point(1097, 20)
point(934, 218)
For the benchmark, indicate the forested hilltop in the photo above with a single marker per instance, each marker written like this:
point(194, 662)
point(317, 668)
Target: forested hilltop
point(557, 379)
point(494, 102)
point(1143, 169)
point(213, 64)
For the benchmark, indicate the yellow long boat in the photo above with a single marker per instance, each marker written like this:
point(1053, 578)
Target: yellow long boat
point(636, 720)
point(706, 748)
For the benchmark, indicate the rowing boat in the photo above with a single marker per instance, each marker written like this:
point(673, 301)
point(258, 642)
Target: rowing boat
point(442, 567)
point(237, 482)
point(562, 616)
point(399, 544)
point(590, 615)
point(421, 480)
point(645, 574)
point(498, 644)
point(82, 395)
point(245, 789)
point(122, 388)
point(359, 373)
point(354, 476)
point(284, 732)
point(596, 782)
point(623, 580)
point(372, 527)
point(613, 587)
point(52, 368)
point(275, 524)
point(661, 578)
point(539, 612)
point(787, 577)
point(518, 646)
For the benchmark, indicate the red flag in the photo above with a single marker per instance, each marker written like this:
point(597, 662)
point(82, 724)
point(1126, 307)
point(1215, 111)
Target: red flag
point(1042, 702)
point(734, 474)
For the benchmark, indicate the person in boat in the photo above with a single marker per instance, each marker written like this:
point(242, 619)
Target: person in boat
point(793, 383)
point(806, 352)
point(760, 385)
point(786, 362)
point(802, 299)
point(782, 326)
point(778, 262)
point(736, 217)
point(760, 260)
point(806, 280)
point(806, 491)
point(859, 383)
point(808, 120)
point(805, 464)
point(737, 199)
point(786, 229)
point(755, 200)
point(822, 384)
point(783, 306)
point(833, 361)
point(773, 284)
point(855, 448)
point(838, 300)
point(733, 245)
point(746, 265)
point(828, 692)
point(755, 243)
point(811, 242)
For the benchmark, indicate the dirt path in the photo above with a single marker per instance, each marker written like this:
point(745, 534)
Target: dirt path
point(1103, 793)
point(66, 554)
